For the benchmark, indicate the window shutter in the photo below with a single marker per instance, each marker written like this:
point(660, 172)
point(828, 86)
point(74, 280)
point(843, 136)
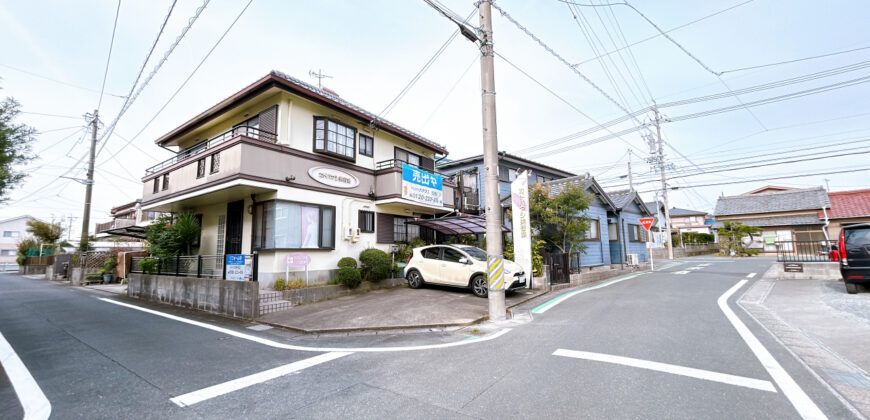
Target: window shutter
point(427, 164)
point(384, 228)
point(269, 120)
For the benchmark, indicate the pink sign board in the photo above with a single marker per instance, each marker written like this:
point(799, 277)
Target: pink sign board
point(297, 260)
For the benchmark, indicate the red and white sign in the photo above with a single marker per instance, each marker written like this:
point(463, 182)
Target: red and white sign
point(646, 222)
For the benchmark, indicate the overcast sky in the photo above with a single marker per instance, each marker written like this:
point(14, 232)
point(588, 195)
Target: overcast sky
point(372, 49)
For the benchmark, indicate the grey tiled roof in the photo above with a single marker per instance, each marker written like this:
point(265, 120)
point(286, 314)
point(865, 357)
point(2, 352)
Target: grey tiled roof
point(651, 206)
point(777, 221)
point(792, 200)
point(621, 198)
point(380, 121)
point(583, 181)
point(685, 212)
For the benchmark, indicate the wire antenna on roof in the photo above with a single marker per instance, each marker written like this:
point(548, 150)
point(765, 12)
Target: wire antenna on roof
point(319, 75)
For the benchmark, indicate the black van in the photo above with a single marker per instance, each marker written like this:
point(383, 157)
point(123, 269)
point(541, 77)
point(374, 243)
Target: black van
point(855, 256)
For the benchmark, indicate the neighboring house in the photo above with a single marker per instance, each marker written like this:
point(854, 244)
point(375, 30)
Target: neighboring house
point(685, 220)
point(122, 216)
point(847, 208)
point(601, 212)
point(783, 215)
point(283, 167)
point(11, 232)
point(627, 235)
point(128, 221)
point(469, 172)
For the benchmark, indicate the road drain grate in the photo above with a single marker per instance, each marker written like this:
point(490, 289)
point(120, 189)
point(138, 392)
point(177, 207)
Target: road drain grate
point(852, 379)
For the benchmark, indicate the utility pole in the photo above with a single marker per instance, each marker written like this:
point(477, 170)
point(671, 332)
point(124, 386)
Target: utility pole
point(630, 184)
point(490, 162)
point(661, 161)
point(89, 183)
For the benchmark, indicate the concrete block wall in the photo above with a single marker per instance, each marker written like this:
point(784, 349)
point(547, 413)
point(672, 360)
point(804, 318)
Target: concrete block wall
point(316, 294)
point(812, 270)
point(239, 299)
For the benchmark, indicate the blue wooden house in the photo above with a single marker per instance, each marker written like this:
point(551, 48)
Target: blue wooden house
point(626, 234)
point(597, 242)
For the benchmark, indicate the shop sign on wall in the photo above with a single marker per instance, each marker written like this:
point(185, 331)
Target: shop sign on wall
point(333, 177)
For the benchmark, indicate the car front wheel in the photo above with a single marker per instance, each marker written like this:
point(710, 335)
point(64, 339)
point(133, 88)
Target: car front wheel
point(415, 280)
point(479, 286)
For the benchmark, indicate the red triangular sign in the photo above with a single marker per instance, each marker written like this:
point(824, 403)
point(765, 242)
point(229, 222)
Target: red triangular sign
point(646, 222)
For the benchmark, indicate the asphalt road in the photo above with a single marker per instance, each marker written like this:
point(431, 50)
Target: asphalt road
point(95, 359)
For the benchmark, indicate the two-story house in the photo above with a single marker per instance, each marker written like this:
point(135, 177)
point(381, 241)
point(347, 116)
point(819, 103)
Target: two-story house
point(596, 243)
point(468, 173)
point(285, 167)
point(12, 231)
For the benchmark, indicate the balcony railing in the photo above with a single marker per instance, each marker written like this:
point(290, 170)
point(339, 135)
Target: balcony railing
point(115, 224)
point(203, 146)
point(396, 163)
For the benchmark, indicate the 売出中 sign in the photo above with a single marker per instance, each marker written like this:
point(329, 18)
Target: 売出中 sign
point(421, 186)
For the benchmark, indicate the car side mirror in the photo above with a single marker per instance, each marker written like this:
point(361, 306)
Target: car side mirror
point(463, 260)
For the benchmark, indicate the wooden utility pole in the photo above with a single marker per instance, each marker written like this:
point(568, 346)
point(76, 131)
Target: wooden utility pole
point(89, 183)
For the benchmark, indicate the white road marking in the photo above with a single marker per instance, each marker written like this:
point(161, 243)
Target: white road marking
point(704, 265)
point(270, 343)
point(682, 272)
point(695, 268)
point(796, 396)
point(194, 397)
point(668, 368)
point(750, 275)
point(33, 400)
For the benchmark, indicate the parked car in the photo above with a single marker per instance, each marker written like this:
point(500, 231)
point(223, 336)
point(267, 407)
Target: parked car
point(457, 265)
point(855, 256)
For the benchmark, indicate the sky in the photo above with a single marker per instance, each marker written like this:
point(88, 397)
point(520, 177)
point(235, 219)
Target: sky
point(551, 101)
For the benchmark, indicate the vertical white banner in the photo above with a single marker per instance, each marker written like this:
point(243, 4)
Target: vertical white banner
point(522, 230)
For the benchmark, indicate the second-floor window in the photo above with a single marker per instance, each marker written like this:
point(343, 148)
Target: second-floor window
point(407, 157)
point(366, 145)
point(334, 138)
point(10, 234)
point(200, 168)
point(165, 182)
point(156, 185)
point(215, 162)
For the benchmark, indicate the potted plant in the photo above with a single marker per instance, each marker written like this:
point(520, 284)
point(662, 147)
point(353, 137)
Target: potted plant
point(108, 270)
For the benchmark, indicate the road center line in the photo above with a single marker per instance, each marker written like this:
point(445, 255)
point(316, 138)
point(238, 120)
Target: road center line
point(270, 343)
point(668, 368)
point(750, 275)
point(194, 397)
point(555, 301)
point(796, 396)
point(33, 400)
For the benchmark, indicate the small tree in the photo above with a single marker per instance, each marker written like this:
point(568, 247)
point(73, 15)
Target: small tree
point(15, 141)
point(731, 236)
point(47, 233)
point(558, 219)
point(187, 231)
point(167, 237)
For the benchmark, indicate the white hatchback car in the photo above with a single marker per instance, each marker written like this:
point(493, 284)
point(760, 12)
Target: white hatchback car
point(457, 265)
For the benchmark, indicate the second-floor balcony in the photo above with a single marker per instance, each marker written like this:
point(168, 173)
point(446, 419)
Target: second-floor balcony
point(206, 145)
point(115, 224)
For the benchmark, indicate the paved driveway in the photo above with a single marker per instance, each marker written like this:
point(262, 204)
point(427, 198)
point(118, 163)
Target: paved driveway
point(398, 307)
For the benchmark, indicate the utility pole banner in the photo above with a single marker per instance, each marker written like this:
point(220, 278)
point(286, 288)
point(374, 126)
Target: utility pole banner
point(522, 230)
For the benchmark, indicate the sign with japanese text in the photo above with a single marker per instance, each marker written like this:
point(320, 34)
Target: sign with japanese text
point(235, 266)
point(297, 259)
point(646, 222)
point(421, 186)
point(522, 230)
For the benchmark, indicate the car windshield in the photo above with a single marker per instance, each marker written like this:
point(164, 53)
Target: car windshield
point(476, 253)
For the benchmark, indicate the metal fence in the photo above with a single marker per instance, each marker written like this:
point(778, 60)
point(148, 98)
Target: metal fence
point(200, 266)
point(804, 251)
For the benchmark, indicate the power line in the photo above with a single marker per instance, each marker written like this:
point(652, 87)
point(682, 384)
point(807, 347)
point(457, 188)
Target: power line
point(793, 61)
point(72, 117)
point(771, 178)
point(109, 57)
point(56, 81)
point(132, 96)
point(174, 94)
point(450, 91)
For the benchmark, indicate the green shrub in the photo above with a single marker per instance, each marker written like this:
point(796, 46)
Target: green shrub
point(349, 277)
point(148, 265)
point(279, 284)
point(376, 264)
point(347, 262)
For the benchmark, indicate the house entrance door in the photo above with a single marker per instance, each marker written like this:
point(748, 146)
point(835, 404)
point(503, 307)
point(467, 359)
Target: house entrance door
point(234, 227)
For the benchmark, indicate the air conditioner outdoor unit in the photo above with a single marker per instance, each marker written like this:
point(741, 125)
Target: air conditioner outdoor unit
point(469, 202)
point(632, 259)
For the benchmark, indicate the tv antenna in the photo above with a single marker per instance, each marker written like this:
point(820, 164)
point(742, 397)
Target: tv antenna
point(319, 75)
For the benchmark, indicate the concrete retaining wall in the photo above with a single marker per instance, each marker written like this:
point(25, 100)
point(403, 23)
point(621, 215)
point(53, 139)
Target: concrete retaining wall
point(32, 269)
point(238, 299)
point(811, 270)
point(316, 294)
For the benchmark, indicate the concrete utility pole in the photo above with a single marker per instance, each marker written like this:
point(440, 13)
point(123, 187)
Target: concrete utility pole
point(661, 161)
point(89, 183)
point(630, 184)
point(490, 155)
